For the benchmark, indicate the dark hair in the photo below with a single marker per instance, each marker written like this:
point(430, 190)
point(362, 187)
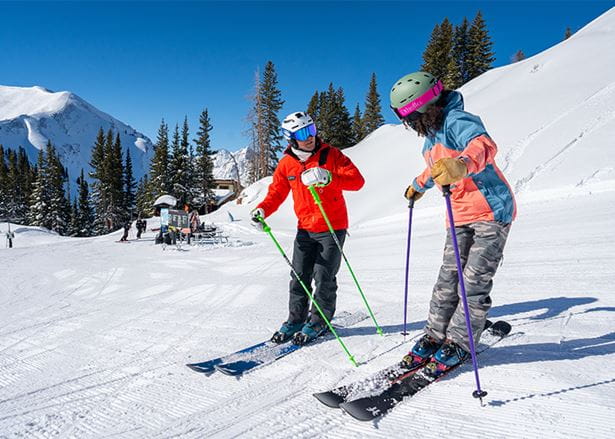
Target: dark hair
point(433, 118)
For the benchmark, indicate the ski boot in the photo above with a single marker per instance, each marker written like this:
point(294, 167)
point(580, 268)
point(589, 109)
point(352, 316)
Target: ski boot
point(286, 332)
point(421, 352)
point(449, 356)
point(309, 332)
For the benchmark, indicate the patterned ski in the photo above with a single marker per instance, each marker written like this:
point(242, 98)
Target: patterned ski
point(382, 379)
point(372, 407)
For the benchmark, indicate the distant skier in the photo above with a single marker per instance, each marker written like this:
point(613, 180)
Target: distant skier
point(126, 229)
point(460, 153)
point(308, 161)
point(141, 225)
point(9, 238)
point(194, 221)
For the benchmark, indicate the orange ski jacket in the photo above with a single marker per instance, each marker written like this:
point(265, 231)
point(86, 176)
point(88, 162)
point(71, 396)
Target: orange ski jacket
point(287, 177)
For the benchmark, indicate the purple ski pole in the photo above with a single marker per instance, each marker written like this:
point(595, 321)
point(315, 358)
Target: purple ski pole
point(410, 208)
point(446, 190)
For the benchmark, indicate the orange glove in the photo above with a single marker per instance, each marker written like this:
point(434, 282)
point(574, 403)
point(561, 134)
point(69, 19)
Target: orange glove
point(413, 193)
point(448, 171)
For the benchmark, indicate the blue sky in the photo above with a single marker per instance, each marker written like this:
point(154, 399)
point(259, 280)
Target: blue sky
point(142, 61)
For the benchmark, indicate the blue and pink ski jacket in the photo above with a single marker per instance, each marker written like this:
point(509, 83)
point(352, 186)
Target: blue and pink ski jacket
point(484, 195)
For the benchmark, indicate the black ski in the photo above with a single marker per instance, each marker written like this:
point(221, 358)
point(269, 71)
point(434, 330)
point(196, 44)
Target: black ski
point(372, 407)
point(380, 380)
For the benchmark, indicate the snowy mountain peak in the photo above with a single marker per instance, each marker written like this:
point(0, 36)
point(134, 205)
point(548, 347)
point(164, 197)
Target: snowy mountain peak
point(31, 101)
point(32, 116)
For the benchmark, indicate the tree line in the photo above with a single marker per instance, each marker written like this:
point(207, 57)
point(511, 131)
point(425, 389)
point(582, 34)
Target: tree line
point(39, 194)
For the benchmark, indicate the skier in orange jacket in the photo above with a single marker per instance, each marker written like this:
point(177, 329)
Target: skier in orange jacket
point(308, 161)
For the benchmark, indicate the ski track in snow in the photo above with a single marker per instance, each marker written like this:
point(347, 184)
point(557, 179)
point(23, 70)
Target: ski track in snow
point(97, 349)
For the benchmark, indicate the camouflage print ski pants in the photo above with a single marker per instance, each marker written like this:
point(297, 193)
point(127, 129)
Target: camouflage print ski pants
point(481, 245)
point(315, 256)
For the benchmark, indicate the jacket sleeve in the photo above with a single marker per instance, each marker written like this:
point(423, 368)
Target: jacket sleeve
point(480, 151)
point(471, 140)
point(276, 193)
point(423, 181)
point(345, 174)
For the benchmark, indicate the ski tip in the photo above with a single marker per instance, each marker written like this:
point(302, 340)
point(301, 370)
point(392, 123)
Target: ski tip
point(359, 413)
point(501, 327)
point(200, 369)
point(229, 371)
point(330, 399)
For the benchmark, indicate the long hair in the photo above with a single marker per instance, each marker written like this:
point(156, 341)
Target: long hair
point(432, 119)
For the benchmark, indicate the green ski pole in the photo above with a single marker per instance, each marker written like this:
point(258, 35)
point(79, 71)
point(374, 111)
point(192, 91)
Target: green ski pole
point(339, 246)
point(267, 230)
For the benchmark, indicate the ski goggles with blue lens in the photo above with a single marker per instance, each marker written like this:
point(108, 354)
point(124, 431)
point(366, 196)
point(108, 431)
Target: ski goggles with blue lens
point(304, 133)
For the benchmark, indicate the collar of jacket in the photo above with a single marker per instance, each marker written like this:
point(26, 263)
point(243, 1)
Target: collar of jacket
point(319, 146)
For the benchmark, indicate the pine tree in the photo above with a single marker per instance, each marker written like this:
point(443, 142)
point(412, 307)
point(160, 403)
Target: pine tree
point(85, 214)
point(457, 76)
point(15, 196)
point(518, 56)
point(430, 54)
point(189, 176)
point(313, 108)
point(179, 168)
point(204, 164)
point(39, 198)
point(327, 109)
point(59, 206)
point(73, 225)
point(271, 102)
point(144, 198)
point(4, 186)
point(480, 56)
point(339, 131)
point(23, 176)
point(256, 132)
point(120, 211)
point(129, 185)
point(358, 132)
point(437, 54)
point(176, 166)
point(159, 176)
point(452, 79)
point(372, 118)
point(99, 179)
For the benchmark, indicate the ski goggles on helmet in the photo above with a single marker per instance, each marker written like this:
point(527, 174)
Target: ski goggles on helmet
point(304, 133)
point(409, 112)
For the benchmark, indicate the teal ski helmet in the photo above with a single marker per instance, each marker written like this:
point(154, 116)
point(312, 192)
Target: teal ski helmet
point(412, 93)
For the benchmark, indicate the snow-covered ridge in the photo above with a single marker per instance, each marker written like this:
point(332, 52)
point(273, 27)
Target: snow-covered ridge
point(30, 116)
point(19, 101)
point(232, 165)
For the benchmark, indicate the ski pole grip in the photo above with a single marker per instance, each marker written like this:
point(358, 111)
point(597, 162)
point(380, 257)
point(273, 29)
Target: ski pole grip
point(266, 227)
point(446, 189)
point(411, 203)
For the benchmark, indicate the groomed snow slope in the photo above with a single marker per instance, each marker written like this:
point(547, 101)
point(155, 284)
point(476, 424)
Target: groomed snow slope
point(94, 334)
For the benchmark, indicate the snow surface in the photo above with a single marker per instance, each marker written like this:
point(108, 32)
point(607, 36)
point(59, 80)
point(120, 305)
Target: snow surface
point(94, 334)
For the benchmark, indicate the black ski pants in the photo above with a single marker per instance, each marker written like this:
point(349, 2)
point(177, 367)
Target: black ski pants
point(315, 257)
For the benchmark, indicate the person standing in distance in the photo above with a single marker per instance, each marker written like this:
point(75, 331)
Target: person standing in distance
point(308, 161)
point(458, 152)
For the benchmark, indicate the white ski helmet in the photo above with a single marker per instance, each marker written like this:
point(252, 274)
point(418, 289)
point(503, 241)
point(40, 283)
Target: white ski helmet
point(294, 122)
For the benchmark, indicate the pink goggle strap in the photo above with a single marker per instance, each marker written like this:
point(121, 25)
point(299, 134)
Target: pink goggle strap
point(421, 100)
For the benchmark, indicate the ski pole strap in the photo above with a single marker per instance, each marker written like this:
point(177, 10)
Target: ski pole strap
point(267, 229)
point(339, 246)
